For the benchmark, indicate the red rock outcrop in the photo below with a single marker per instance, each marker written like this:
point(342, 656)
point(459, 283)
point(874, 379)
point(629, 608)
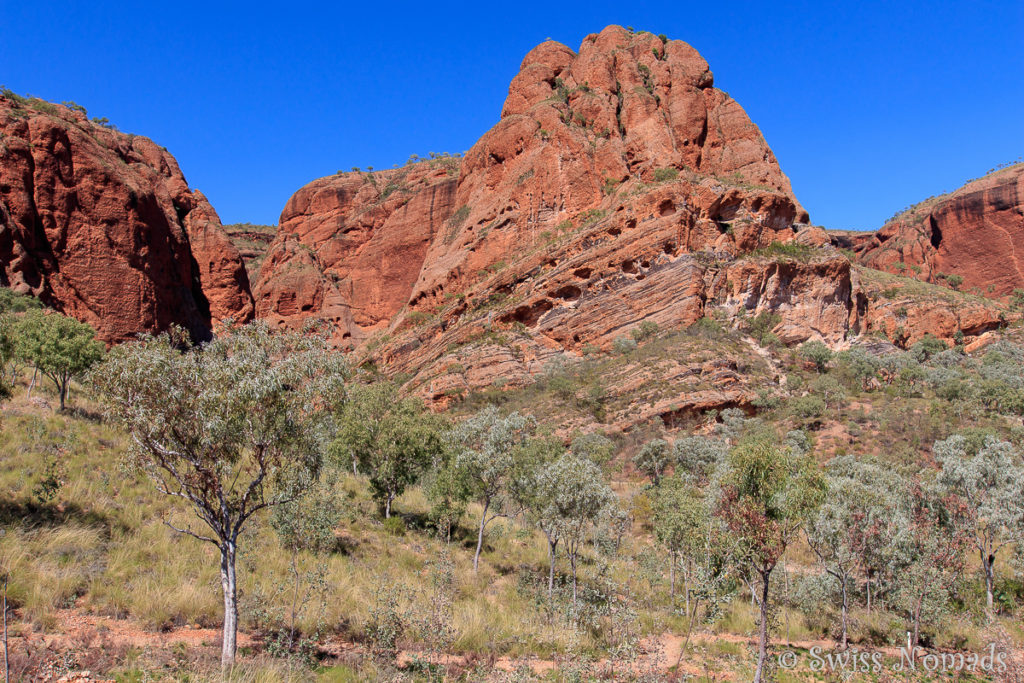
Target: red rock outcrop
point(580, 210)
point(103, 226)
point(350, 247)
point(975, 233)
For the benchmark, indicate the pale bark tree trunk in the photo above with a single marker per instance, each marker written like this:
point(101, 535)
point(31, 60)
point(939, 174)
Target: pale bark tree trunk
point(988, 564)
point(917, 623)
point(480, 535)
point(672, 579)
point(572, 563)
point(846, 611)
point(7, 654)
point(552, 548)
point(229, 643)
point(762, 630)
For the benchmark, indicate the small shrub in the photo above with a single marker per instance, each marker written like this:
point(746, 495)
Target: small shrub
point(816, 352)
point(645, 330)
point(760, 328)
point(623, 345)
point(662, 175)
point(808, 407)
point(394, 526)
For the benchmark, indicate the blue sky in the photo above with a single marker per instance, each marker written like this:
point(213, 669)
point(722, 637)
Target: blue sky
point(869, 108)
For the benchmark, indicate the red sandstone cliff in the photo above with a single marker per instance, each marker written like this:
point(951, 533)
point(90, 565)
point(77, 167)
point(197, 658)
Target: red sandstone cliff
point(975, 233)
point(619, 159)
point(103, 226)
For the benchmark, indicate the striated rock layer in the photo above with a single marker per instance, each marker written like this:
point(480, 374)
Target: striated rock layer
point(608, 170)
point(619, 186)
point(975, 233)
point(103, 226)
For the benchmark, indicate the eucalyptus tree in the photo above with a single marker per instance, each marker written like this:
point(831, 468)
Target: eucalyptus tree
point(568, 495)
point(489, 451)
point(835, 532)
point(305, 525)
point(929, 547)
point(653, 458)
point(817, 353)
point(59, 347)
point(990, 480)
point(681, 521)
point(698, 456)
point(229, 429)
point(447, 488)
point(392, 439)
point(597, 448)
point(767, 493)
point(873, 493)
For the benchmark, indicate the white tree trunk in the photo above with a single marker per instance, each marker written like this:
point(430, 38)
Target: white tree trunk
point(480, 536)
point(229, 644)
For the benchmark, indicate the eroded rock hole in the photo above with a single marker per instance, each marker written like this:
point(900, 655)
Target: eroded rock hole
point(567, 293)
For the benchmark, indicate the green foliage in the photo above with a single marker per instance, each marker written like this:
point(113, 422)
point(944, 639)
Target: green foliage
point(809, 407)
point(594, 447)
point(455, 222)
point(652, 459)
point(662, 175)
point(448, 489)
point(761, 326)
point(927, 347)
point(990, 480)
point(12, 302)
point(492, 454)
point(12, 96)
point(786, 250)
point(232, 428)
point(816, 352)
point(623, 345)
point(699, 456)
point(61, 348)
point(566, 496)
point(645, 330)
point(768, 492)
point(391, 439)
point(591, 216)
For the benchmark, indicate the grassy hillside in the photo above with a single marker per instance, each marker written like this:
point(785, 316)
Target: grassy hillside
point(90, 559)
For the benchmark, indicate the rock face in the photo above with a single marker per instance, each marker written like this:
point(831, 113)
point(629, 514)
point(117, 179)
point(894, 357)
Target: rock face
point(975, 233)
point(618, 187)
point(350, 247)
point(103, 226)
point(613, 175)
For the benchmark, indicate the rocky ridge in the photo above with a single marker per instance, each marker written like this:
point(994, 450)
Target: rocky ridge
point(102, 226)
point(973, 237)
point(619, 186)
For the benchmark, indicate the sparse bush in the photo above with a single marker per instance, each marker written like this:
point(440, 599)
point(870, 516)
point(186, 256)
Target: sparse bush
point(624, 345)
point(662, 175)
point(816, 352)
point(645, 330)
point(652, 459)
point(809, 407)
point(761, 326)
